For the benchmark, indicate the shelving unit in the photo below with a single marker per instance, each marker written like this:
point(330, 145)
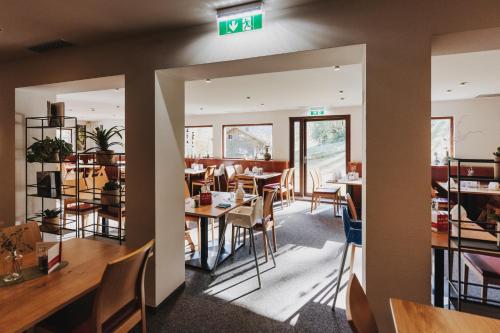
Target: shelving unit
point(105, 212)
point(36, 199)
point(468, 236)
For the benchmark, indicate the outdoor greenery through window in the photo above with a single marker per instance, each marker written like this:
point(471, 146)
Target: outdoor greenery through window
point(247, 141)
point(441, 140)
point(198, 141)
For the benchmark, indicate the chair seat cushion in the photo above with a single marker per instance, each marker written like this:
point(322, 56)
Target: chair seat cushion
point(202, 181)
point(327, 190)
point(273, 186)
point(83, 207)
point(486, 265)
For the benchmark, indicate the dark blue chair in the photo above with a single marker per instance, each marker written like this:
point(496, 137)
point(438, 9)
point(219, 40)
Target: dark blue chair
point(353, 237)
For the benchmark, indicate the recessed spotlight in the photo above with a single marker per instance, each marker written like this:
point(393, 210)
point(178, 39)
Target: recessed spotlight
point(336, 68)
point(341, 92)
point(261, 104)
point(117, 106)
point(248, 97)
point(201, 109)
point(449, 91)
point(208, 80)
point(92, 109)
point(117, 89)
point(71, 109)
point(342, 98)
point(464, 83)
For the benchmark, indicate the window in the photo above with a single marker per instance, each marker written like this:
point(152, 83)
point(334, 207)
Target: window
point(199, 141)
point(441, 139)
point(247, 141)
point(66, 135)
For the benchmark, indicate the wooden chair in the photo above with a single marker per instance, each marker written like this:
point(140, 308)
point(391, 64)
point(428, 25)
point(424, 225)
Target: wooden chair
point(31, 235)
point(280, 187)
point(72, 207)
point(487, 267)
point(248, 182)
point(238, 168)
point(208, 179)
point(218, 173)
point(267, 221)
point(352, 208)
point(323, 192)
point(290, 184)
point(230, 177)
point(359, 314)
point(116, 306)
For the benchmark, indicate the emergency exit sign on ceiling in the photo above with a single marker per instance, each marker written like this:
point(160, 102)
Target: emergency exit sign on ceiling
point(316, 111)
point(240, 24)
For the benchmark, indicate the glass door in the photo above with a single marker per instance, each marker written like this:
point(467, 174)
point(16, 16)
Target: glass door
point(318, 144)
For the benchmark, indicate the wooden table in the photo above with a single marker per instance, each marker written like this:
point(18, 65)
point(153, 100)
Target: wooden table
point(469, 190)
point(205, 258)
point(260, 179)
point(439, 243)
point(349, 189)
point(410, 317)
point(25, 304)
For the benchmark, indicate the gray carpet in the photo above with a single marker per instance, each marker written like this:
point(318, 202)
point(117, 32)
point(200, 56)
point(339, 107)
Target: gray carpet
point(296, 296)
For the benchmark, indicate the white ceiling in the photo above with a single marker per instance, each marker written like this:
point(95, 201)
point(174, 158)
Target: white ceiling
point(95, 105)
point(276, 91)
point(286, 90)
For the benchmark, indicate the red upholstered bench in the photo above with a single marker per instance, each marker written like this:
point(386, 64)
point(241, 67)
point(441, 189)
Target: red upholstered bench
point(487, 267)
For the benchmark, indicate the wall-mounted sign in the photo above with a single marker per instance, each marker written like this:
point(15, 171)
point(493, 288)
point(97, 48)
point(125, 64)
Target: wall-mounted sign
point(316, 111)
point(240, 24)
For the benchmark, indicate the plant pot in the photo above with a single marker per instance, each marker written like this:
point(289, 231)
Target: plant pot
point(107, 157)
point(496, 168)
point(55, 157)
point(110, 197)
point(55, 114)
point(51, 223)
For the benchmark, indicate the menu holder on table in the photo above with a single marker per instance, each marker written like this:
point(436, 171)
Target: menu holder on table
point(48, 255)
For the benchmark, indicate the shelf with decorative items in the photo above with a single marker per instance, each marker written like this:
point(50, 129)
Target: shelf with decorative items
point(49, 153)
point(473, 241)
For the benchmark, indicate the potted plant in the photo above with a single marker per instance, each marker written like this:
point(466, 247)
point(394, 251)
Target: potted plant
point(102, 138)
point(496, 167)
point(110, 194)
point(48, 150)
point(12, 243)
point(50, 219)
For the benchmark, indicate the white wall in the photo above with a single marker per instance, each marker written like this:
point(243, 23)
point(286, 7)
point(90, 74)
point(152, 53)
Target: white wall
point(476, 123)
point(280, 121)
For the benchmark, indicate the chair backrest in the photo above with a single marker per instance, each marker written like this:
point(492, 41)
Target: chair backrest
point(186, 190)
point(283, 178)
point(230, 173)
point(257, 212)
point(314, 178)
point(352, 234)
point(359, 314)
point(352, 208)
point(209, 172)
point(269, 196)
point(289, 176)
point(220, 170)
point(122, 284)
point(30, 235)
point(248, 182)
point(238, 168)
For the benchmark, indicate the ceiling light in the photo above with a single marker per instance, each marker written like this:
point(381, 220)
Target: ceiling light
point(336, 68)
point(117, 106)
point(261, 104)
point(449, 91)
point(117, 89)
point(342, 98)
point(341, 92)
point(208, 80)
point(201, 109)
point(92, 109)
point(248, 97)
point(463, 83)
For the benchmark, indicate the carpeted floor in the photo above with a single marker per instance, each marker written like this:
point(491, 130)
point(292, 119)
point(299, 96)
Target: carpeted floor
point(296, 296)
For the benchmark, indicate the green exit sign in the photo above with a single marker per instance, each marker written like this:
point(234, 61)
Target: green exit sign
point(316, 111)
point(240, 24)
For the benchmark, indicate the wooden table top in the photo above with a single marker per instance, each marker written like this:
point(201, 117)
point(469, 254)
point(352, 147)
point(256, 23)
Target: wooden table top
point(264, 175)
point(410, 317)
point(27, 303)
point(211, 211)
point(479, 191)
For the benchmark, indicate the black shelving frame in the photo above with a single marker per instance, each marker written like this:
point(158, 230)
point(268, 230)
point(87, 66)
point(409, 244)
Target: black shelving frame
point(104, 229)
point(40, 126)
point(458, 244)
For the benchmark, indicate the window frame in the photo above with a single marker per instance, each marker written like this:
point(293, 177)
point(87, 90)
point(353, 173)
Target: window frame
point(452, 133)
point(199, 126)
point(242, 125)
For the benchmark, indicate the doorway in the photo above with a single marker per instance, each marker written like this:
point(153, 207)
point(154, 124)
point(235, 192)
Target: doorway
point(319, 144)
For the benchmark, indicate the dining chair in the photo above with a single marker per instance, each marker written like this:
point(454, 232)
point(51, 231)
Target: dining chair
point(73, 207)
point(352, 207)
point(267, 221)
point(245, 217)
point(218, 173)
point(487, 267)
point(280, 187)
point(116, 306)
point(290, 184)
point(353, 238)
point(230, 176)
point(208, 179)
point(30, 235)
point(323, 192)
point(248, 183)
point(359, 313)
point(238, 168)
